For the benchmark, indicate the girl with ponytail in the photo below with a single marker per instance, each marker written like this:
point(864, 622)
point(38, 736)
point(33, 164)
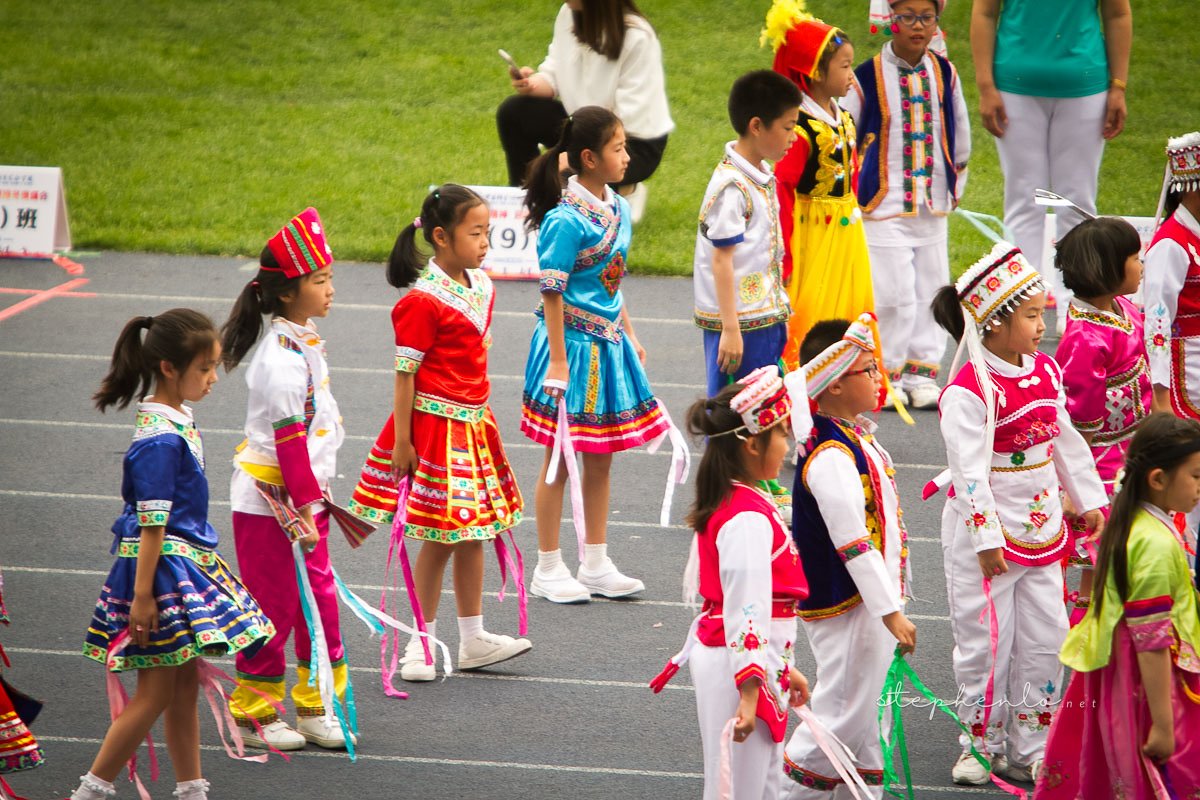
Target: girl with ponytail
point(280, 487)
point(1131, 713)
point(745, 566)
point(169, 598)
point(585, 370)
point(441, 447)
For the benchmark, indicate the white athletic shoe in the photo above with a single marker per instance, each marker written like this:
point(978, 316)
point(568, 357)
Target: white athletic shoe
point(608, 581)
point(412, 666)
point(969, 772)
point(1017, 773)
point(324, 731)
point(275, 734)
point(924, 395)
point(485, 649)
point(558, 586)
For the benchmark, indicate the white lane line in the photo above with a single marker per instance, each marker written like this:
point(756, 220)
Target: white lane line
point(447, 762)
point(372, 587)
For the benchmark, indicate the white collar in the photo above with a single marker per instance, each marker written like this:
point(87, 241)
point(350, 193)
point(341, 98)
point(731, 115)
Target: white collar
point(435, 268)
point(1187, 220)
point(760, 174)
point(888, 54)
point(809, 105)
point(998, 365)
point(178, 416)
point(1160, 515)
point(298, 331)
point(581, 191)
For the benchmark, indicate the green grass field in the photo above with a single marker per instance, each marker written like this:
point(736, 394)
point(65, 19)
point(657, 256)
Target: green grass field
point(199, 127)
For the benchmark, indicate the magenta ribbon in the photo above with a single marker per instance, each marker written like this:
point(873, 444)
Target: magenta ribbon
point(563, 446)
point(388, 665)
point(990, 692)
point(118, 698)
point(509, 556)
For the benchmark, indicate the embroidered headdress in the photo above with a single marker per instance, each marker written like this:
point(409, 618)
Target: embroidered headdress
point(1183, 162)
point(762, 404)
point(995, 285)
point(300, 246)
point(798, 39)
point(835, 361)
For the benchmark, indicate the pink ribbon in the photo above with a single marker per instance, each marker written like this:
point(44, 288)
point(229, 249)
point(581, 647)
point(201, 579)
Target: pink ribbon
point(388, 666)
point(725, 773)
point(117, 700)
point(7, 793)
point(564, 446)
point(840, 756)
point(989, 693)
point(210, 680)
point(510, 560)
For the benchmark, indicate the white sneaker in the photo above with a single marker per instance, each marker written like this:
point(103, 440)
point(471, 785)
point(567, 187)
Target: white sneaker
point(558, 586)
point(637, 202)
point(608, 581)
point(1017, 773)
point(412, 666)
point(275, 734)
point(900, 393)
point(324, 731)
point(485, 649)
point(969, 772)
point(924, 395)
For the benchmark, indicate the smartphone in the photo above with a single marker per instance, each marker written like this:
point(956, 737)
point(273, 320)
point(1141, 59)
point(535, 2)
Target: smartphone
point(513, 67)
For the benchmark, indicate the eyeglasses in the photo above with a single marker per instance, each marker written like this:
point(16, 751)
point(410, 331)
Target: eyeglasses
point(911, 20)
point(870, 371)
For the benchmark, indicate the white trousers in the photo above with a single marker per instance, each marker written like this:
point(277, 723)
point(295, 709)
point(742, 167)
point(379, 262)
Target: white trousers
point(905, 280)
point(756, 764)
point(853, 652)
point(1032, 623)
point(1051, 143)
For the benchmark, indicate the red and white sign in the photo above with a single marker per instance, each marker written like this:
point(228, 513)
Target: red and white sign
point(512, 250)
point(33, 211)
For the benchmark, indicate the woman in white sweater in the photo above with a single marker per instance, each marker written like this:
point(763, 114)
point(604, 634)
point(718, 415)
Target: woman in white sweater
point(604, 53)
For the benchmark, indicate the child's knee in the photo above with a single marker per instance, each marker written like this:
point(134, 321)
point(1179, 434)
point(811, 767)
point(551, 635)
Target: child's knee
point(597, 464)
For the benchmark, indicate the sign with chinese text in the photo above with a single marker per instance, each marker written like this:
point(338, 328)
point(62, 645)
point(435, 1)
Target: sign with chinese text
point(33, 211)
point(512, 250)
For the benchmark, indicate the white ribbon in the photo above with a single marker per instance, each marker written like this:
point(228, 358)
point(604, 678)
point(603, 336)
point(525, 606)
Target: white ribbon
point(564, 446)
point(681, 462)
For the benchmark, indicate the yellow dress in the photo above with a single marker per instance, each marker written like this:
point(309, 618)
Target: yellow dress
point(830, 270)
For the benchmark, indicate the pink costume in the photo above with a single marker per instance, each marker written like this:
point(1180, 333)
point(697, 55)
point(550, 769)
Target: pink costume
point(1106, 378)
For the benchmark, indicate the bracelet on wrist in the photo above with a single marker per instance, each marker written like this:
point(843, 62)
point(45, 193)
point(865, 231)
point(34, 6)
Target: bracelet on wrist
point(1117, 83)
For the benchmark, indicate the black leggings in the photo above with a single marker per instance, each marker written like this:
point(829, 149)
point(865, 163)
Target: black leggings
point(525, 122)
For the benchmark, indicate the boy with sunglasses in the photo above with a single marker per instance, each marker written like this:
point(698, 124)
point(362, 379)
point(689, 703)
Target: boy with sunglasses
point(848, 528)
point(913, 132)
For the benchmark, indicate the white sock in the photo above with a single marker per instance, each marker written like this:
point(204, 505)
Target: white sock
point(549, 560)
point(192, 790)
point(93, 788)
point(469, 627)
point(594, 555)
point(430, 627)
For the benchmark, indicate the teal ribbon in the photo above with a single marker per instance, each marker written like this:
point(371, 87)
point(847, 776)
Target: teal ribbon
point(978, 219)
point(341, 709)
point(356, 605)
point(898, 674)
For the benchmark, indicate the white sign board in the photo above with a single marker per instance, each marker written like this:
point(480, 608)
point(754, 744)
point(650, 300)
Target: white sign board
point(33, 211)
point(512, 250)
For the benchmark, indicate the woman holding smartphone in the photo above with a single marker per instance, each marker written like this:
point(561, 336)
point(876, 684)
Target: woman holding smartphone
point(604, 53)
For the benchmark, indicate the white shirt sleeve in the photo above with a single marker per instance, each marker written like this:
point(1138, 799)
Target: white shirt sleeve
point(1074, 462)
point(836, 485)
point(744, 548)
point(963, 418)
point(563, 38)
point(1166, 268)
point(725, 219)
point(640, 99)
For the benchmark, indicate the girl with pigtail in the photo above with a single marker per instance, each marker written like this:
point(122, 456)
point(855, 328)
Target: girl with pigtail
point(585, 383)
point(1003, 534)
point(280, 491)
point(169, 598)
point(1130, 717)
point(440, 449)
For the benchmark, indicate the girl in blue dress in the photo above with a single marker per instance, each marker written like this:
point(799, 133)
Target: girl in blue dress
point(584, 351)
point(169, 598)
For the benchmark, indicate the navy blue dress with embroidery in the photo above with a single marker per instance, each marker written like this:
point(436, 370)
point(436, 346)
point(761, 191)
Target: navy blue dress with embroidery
point(203, 609)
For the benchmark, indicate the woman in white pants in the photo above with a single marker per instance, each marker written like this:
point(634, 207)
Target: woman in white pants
point(1051, 79)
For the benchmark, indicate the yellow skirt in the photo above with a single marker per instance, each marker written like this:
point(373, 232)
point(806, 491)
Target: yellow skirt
point(831, 270)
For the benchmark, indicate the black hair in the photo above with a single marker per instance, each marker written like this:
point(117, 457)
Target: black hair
point(825, 333)
point(601, 25)
point(722, 462)
point(589, 128)
point(1163, 441)
point(1171, 204)
point(176, 336)
point(947, 311)
point(1092, 255)
point(262, 295)
point(763, 93)
point(443, 208)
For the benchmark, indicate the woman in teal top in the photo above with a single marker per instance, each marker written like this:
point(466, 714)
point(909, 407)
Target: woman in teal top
point(1051, 77)
point(1129, 723)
